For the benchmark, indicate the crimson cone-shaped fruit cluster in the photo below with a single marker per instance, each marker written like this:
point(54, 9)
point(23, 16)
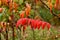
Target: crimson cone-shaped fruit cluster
point(33, 23)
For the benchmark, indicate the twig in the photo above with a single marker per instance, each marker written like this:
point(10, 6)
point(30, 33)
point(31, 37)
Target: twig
point(53, 13)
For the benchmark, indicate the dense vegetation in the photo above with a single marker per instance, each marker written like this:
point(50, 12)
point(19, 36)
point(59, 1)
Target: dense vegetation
point(29, 19)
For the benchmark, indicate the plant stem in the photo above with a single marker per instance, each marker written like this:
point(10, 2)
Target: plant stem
point(13, 32)
point(0, 34)
point(6, 33)
point(20, 31)
point(13, 25)
point(33, 34)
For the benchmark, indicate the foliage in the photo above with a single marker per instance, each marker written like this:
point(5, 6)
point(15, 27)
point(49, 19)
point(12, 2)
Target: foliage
point(29, 13)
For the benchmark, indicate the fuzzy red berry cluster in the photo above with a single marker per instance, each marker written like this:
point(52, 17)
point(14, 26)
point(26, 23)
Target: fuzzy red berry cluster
point(33, 23)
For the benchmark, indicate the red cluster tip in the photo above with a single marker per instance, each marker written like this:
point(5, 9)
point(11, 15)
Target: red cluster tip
point(33, 23)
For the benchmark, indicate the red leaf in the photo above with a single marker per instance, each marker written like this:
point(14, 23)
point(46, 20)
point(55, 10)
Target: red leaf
point(43, 25)
point(48, 26)
point(32, 23)
point(28, 6)
point(24, 27)
point(22, 14)
point(39, 24)
point(18, 22)
point(35, 24)
point(56, 4)
point(29, 21)
point(50, 7)
point(24, 21)
point(1, 9)
point(36, 1)
point(27, 12)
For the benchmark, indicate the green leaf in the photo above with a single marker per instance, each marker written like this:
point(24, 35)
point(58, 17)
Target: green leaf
point(0, 17)
point(20, 1)
point(15, 0)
